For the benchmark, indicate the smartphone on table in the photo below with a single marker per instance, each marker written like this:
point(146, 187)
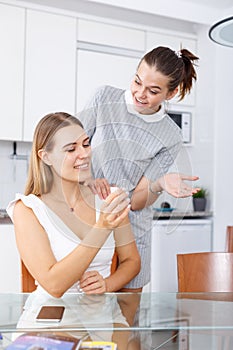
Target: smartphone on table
point(50, 313)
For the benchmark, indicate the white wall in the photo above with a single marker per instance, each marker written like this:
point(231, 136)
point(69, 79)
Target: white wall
point(202, 154)
point(223, 165)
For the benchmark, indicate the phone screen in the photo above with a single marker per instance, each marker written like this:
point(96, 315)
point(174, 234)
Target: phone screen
point(50, 314)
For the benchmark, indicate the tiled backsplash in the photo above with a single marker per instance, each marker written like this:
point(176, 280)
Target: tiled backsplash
point(13, 170)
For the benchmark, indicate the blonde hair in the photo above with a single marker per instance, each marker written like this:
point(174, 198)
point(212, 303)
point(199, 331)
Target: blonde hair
point(40, 177)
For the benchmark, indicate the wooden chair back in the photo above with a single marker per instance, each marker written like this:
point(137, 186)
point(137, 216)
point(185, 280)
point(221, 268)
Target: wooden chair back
point(28, 282)
point(205, 272)
point(229, 239)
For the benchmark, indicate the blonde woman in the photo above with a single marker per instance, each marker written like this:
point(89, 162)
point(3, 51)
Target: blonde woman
point(65, 235)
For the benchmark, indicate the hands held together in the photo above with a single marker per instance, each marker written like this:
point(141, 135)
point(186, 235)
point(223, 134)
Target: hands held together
point(92, 282)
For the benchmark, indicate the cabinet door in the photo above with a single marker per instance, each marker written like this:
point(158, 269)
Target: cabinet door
point(170, 239)
point(110, 35)
point(50, 67)
point(174, 42)
point(10, 268)
point(11, 71)
point(96, 69)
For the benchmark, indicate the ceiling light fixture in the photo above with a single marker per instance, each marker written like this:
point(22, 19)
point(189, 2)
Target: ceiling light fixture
point(222, 32)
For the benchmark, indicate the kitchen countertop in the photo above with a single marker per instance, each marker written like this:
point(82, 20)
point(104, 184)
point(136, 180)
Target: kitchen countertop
point(175, 214)
point(4, 217)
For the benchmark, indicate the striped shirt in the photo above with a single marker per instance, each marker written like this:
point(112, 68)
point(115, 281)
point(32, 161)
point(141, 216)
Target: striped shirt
point(127, 146)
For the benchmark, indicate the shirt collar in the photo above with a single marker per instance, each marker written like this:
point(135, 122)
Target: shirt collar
point(155, 117)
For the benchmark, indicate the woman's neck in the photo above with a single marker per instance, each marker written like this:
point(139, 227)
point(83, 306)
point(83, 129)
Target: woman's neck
point(66, 192)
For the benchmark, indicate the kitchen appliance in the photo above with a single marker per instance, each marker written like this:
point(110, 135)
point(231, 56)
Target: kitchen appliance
point(184, 121)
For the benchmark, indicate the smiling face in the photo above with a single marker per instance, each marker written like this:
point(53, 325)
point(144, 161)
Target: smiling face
point(70, 157)
point(149, 89)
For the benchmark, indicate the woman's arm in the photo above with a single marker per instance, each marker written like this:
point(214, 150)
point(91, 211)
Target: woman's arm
point(129, 264)
point(129, 261)
point(146, 192)
point(56, 277)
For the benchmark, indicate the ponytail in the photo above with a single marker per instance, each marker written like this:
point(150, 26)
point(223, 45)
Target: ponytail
point(189, 72)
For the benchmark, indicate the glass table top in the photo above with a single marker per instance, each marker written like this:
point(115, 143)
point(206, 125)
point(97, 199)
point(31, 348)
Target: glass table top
point(120, 311)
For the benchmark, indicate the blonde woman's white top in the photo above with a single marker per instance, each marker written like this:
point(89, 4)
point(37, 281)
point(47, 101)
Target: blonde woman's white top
point(61, 237)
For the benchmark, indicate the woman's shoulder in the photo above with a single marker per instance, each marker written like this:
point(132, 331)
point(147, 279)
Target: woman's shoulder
point(21, 201)
point(109, 93)
point(104, 94)
point(27, 199)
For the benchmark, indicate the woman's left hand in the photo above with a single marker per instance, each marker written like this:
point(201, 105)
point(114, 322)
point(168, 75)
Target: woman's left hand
point(173, 183)
point(99, 186)
point(92, 282)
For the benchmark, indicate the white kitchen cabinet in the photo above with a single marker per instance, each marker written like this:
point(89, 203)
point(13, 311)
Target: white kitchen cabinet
point(10, 268)
point(50, 67)
point(110, 35)
point(172, 237)
point(97, 68)
point(174, 42)
point(107, 54)
point(12, 32)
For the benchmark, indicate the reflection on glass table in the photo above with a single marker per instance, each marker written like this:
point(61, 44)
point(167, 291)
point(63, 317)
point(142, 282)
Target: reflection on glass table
point(133, 321)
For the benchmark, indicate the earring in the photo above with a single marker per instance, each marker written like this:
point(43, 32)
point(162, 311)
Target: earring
point(166, 106)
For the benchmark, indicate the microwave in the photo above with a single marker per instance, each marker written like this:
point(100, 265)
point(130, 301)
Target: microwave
point(184, 121)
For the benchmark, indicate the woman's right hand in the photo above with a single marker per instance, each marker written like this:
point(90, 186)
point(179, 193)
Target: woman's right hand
point(114, 209)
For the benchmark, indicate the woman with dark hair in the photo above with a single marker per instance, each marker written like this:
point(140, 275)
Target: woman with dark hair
point(135, 142)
